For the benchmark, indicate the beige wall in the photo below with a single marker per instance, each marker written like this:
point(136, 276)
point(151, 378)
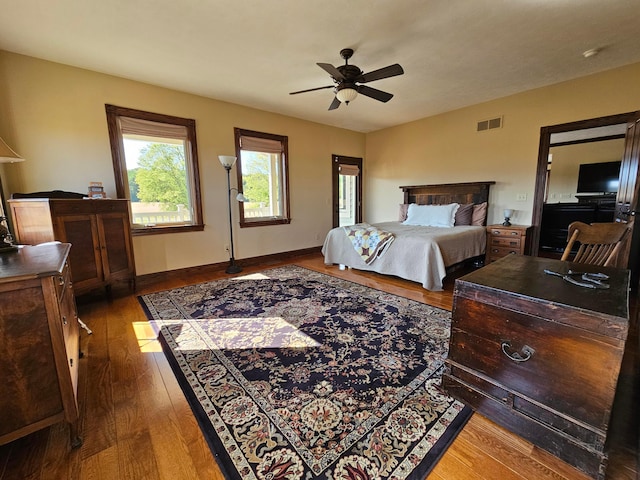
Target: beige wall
point(54, 116)
point(563, 176)
point(446, 148)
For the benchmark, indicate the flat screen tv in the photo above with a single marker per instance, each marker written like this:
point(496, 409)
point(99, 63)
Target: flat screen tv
point(599, 177)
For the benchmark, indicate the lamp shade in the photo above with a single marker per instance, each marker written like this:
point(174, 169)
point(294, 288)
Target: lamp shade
point(227, 161)
point(508, 213)
point(347, 94)
point(7, 155)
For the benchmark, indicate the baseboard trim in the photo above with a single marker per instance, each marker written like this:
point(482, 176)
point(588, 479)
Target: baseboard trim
point(151, 278)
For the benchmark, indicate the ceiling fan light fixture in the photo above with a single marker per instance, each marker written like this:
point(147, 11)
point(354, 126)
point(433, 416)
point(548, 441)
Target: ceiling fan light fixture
point(346, 95)
point(347, 80)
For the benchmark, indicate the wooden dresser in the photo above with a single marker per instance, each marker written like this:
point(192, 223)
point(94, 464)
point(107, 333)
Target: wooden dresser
point(39, 342)
point(502, 241)
point(99, 230)
point(541, 356)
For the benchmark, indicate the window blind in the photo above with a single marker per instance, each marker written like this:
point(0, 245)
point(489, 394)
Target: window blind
point(136, 126)
point(352, 170)
point(256, 144)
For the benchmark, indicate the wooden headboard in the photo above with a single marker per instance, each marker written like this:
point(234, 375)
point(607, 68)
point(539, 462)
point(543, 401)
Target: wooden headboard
point(444, 193)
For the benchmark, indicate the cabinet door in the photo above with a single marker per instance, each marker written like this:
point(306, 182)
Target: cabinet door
point(81, 232)
point(31, 221)
point(115, 245)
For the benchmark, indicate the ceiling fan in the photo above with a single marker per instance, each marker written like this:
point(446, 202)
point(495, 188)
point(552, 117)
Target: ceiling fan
point(346, 79)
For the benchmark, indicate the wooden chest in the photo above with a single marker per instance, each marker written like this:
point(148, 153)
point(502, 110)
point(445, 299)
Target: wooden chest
point(541, 356)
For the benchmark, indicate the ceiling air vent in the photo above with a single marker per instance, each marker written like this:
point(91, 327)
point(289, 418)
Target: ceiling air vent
point(489, 124)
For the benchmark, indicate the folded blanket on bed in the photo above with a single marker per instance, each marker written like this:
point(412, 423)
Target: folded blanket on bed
point(368, 241)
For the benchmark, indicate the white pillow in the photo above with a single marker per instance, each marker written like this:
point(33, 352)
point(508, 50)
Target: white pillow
point(432, 215)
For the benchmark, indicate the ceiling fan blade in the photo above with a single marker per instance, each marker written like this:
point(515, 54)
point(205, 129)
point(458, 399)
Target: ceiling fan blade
point(335, 104)
point(331, 70)
point(386, 72)
point(374, 93)
point(311, 90)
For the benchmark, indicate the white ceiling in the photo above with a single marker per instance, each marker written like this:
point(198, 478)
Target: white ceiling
point(455, 53)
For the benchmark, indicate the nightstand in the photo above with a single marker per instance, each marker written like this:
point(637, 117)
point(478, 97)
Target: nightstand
point(502, 241)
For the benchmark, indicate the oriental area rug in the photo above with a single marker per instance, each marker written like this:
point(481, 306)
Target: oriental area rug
point(294, 374)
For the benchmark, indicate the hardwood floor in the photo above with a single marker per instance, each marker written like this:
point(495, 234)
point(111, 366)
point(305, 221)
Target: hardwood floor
point(136, 423)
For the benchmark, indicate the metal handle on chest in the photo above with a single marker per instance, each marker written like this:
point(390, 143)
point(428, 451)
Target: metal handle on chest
point(527, 353)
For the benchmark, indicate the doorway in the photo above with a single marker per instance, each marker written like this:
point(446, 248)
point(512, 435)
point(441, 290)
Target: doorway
point(347, 190)
point(582, 183)
point(625, 204)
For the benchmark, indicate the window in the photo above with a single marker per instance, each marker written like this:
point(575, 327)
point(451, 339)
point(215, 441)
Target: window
point(262, 178)
point(155, 163)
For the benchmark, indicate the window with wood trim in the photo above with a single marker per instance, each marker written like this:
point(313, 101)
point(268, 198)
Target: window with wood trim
point(155, 162)
point(262, 178)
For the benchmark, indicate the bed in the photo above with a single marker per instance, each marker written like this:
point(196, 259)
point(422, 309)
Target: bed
point(418, 253)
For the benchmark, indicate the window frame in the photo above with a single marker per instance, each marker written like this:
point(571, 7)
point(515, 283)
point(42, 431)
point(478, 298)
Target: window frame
point(120, 165)
point(284, 179)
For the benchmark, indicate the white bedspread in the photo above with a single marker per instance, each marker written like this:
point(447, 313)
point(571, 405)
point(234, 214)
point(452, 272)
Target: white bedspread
point(420, 254)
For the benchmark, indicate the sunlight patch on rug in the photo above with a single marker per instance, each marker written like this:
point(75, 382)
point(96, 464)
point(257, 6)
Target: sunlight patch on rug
point(294, 374)
point(241, 333)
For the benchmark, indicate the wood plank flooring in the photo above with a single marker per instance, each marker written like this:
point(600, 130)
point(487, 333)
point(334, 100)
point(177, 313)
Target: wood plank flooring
point(136, 423)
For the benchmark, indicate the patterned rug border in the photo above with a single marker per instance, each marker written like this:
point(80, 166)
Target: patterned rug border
point(218, 449)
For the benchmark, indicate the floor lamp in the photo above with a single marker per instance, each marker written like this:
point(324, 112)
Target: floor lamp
point(7, 155)
point(227, 162)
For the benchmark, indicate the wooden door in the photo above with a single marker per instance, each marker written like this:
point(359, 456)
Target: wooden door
point(81, 231)
point(347, 190)
point(31, 221)
point(628, 199)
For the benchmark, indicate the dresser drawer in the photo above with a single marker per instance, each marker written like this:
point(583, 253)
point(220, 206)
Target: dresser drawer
point(71, 207)
point(111, 206)
point(505, 232)
point(584, 456)
point(506, 242)
point(488, 387)
point(499, 252)
point(564, 362)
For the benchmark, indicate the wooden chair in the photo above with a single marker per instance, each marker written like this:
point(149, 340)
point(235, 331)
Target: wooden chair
point(599, 242)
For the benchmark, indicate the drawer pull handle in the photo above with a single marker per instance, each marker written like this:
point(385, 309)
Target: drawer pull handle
point(527, 353)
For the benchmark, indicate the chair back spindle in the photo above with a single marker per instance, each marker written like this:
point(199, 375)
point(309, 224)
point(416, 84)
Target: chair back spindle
point(599, 242)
